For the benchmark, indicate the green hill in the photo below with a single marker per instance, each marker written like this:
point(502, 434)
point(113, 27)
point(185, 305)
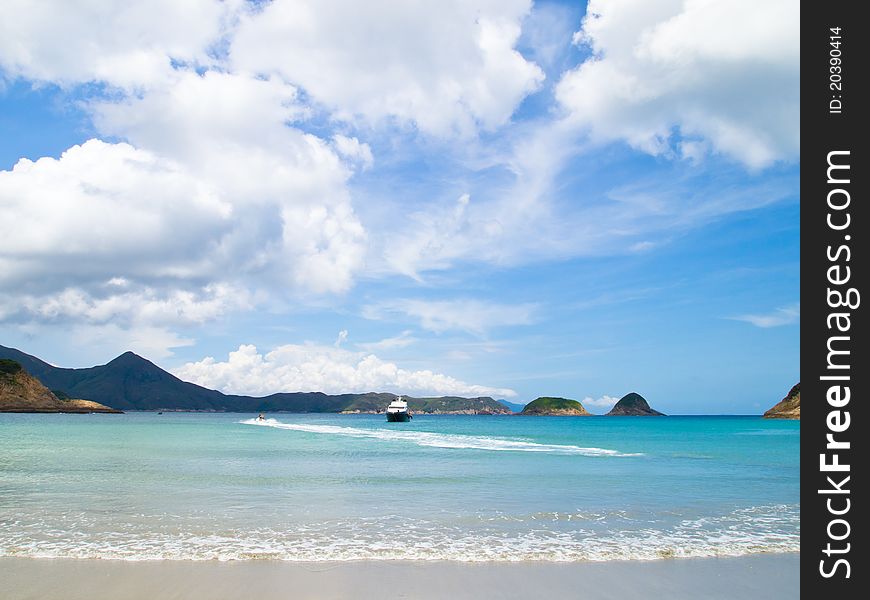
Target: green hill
point(548, 405)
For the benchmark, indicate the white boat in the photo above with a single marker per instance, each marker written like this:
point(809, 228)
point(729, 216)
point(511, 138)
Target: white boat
point(397, 411)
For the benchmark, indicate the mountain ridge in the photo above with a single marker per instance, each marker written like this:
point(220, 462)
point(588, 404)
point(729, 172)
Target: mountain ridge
point(131, 382)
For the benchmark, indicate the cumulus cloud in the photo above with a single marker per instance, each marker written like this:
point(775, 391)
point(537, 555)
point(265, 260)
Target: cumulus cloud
point(102, 209)
point(670, 77)
point(123, 44)
point(474, 316)
point(211, 188)
point(208, 175)
point(309, 367)
point(785, 315)
point(293, 216)
point(446, 68)
point(211, 185)
point(126, 304)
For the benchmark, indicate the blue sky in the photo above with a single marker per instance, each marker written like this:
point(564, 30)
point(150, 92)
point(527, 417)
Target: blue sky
point(491, 198)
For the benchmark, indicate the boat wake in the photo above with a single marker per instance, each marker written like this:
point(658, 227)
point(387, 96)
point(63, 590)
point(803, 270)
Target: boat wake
point(440, 440)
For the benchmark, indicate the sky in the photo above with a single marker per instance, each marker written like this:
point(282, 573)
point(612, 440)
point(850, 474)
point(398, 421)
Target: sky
point(498, 198)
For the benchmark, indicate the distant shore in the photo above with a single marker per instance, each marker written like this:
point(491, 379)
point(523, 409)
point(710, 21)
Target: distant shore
point(768, 576)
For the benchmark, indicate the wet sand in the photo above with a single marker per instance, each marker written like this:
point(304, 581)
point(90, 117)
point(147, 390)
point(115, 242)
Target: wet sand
point(768, 576)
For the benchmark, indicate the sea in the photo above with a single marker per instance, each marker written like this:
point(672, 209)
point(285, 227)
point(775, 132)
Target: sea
point(328, 487)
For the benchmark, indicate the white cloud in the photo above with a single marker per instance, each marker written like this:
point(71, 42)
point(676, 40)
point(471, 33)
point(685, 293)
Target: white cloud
point(309, 367)
point(102, 210)
point(354, 150)
point(435, 238)
point(669, 76)
point(402, 340)
point(130, 305)
point(474, 316)
point(342, 338)
point(604, 403)
point(446, 67)
point(293, 217)
point(214, 188)
point(785, 315)
point(527, 213)
point(516, 226)
point(528, 220)
point(212, 201)
point(102, 320)
point(215, 184)
point(124, 44)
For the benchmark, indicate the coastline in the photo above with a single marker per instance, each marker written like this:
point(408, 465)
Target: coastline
point(768, 576)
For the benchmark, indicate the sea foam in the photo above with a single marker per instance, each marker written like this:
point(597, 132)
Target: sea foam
point(758, 529)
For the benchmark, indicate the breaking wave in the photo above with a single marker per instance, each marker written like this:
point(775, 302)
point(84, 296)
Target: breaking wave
point(761, 529)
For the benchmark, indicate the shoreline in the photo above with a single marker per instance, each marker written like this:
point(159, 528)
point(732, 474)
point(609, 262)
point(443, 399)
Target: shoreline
point(768, 576)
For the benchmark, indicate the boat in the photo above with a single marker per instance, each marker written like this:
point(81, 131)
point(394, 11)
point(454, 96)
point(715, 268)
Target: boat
point(397, 411)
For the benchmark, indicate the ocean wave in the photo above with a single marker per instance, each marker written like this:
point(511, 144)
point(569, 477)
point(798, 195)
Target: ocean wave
point(762, 529)
point(440, 440)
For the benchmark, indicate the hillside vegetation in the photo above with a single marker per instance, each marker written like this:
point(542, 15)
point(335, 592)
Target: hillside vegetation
point(21, 392)
point(548, 405)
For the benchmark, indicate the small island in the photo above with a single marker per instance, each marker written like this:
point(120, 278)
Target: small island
point(21, 392)
point(558, 407)
point(789, 407)
point(633, 405)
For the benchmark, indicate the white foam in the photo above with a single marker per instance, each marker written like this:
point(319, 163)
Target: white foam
point(772, 528)
point(439, 440)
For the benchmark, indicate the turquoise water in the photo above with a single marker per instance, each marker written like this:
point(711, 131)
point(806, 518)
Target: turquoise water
point(346, 487)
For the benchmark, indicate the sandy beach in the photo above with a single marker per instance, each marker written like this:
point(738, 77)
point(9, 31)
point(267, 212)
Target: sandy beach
point(768, 576)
